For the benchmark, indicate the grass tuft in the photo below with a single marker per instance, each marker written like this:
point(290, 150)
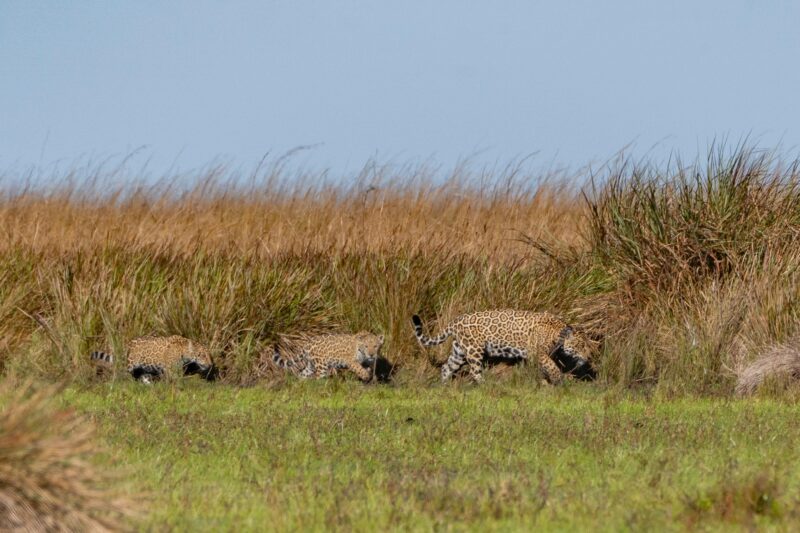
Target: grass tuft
point(47, 479)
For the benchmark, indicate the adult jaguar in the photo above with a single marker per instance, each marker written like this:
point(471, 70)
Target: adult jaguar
point(560, 349)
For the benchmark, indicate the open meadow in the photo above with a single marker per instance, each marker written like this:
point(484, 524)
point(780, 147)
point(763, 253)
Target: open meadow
point(684, 273)
point(504, 457)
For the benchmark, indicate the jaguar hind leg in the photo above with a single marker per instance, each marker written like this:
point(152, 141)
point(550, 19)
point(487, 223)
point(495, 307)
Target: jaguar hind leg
point(457, 359)
point(309, 370)
point(147, 374)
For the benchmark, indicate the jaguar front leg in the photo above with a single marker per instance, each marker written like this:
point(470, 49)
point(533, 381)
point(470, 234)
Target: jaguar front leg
point(475, 362)
point(550, 370)
point(363, 373)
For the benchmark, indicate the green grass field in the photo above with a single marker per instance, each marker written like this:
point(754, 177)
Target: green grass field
point(504, 456)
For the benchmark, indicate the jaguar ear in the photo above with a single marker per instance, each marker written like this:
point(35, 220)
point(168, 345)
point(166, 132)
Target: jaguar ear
point(380, 339)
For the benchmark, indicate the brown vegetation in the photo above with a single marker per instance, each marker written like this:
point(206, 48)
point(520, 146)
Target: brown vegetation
point(47, 479)
point(674, 266)
point(779, 362)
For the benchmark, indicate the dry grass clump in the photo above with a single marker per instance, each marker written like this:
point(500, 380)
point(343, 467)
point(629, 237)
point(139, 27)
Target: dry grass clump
point(47, 479)
point(661, 229)
point(699, 257)
point(779, 362)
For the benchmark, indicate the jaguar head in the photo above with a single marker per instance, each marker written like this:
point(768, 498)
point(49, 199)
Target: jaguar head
point(369, 348)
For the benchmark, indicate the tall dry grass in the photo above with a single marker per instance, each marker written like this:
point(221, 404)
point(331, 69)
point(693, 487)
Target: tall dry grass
point(703, 260)
point(238, 265)
point(683, 270)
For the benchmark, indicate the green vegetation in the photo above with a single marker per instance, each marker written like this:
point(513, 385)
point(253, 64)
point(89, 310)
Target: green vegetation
point(502, 457)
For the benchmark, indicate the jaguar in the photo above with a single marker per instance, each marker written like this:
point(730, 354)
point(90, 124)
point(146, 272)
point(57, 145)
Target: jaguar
point(151, 358)
point(322, 355)
point(560, 349)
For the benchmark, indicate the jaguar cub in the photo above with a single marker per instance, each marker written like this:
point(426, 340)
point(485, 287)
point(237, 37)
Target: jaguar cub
point(560, 349)
point(150, 358)
point(323, 355)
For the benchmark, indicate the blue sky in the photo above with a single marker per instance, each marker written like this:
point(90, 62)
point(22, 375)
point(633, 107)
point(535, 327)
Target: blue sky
point(572, 81)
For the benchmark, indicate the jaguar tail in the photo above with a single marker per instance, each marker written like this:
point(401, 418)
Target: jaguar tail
point(102, 358)
point(103, 362)
point(425, 340)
